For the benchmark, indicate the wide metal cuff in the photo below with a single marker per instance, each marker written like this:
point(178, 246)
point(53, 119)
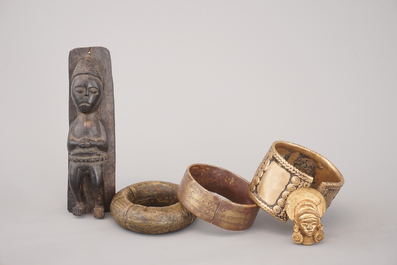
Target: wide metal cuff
point(287, 167)
point(199, 189)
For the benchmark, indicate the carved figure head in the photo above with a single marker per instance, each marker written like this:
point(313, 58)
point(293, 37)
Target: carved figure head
point(305, 207)
point(87, 86)
point(307, 218)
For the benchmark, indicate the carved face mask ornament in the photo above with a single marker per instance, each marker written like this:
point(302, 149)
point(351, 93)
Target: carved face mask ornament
point(87, 86)
point(305, 207)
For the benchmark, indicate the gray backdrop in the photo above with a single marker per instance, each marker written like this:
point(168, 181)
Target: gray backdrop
point(213, 82)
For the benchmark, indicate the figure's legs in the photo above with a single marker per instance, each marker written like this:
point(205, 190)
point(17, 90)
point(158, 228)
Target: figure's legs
point(98, 189)
point(75, 177)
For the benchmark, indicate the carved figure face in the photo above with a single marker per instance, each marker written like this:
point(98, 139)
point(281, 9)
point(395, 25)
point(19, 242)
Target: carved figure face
point(308, 224)
point(87, 92)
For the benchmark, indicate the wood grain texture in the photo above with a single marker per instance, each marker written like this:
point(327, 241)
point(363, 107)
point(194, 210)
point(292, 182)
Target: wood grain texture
point(95, 162)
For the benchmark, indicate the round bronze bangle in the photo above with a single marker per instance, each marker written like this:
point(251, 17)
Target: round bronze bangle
point(197, 192)
point(288, 167)
point(150, 207)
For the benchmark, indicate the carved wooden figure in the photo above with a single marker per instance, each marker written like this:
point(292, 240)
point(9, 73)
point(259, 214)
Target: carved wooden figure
point(91, 138)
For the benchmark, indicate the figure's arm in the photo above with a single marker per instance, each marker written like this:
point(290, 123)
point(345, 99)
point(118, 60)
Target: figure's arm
point(71, 145)
point(72, 142)
point(101, 143)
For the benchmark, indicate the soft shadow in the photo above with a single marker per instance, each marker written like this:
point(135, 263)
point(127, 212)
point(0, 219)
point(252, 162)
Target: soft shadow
point(340, 216)
point(264, 222)
point(123, 230)
point(208, 229)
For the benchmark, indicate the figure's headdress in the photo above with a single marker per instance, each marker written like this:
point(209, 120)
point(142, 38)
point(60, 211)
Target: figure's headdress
point(305, 201)
point(305, 209)
point(87, 65)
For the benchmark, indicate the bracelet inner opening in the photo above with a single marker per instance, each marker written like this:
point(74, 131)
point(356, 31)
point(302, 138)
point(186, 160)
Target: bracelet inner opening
point(154, 196)
point(222, 182)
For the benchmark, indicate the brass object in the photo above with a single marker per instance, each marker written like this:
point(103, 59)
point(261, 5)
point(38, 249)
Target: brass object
point(306, 207)
point(288, 167)
point(232, 209)
point(150, 207)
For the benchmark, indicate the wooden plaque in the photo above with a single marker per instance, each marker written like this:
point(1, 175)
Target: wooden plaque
point(91, 138)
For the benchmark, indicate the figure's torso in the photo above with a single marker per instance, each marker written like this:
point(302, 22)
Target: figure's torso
point(83, 129)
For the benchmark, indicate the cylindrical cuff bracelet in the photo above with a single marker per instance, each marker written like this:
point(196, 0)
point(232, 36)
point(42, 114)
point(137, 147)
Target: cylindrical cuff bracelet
point(199, 189)
point(287, 167)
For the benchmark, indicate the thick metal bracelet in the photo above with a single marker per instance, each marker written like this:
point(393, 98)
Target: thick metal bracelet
point(150, 207)
point(197, 192)
point(287, 167)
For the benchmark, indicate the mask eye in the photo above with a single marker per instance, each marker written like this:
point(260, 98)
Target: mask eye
point(93, 90)
point(79, 90)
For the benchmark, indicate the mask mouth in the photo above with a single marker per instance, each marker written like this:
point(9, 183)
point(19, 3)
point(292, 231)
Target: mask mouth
point(309, 233)
point(85, 107)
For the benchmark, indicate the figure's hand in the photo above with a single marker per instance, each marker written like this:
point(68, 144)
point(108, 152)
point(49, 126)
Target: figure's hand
point(84, 143)
point(100, 144)
point(88, 143)
point(91, 143)
point(96, 143)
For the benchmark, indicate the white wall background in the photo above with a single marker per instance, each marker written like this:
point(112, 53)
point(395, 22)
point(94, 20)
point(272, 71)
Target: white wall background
point(202, 82)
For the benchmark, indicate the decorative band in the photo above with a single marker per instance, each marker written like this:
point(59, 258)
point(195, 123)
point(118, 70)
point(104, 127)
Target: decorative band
point(87, 159)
